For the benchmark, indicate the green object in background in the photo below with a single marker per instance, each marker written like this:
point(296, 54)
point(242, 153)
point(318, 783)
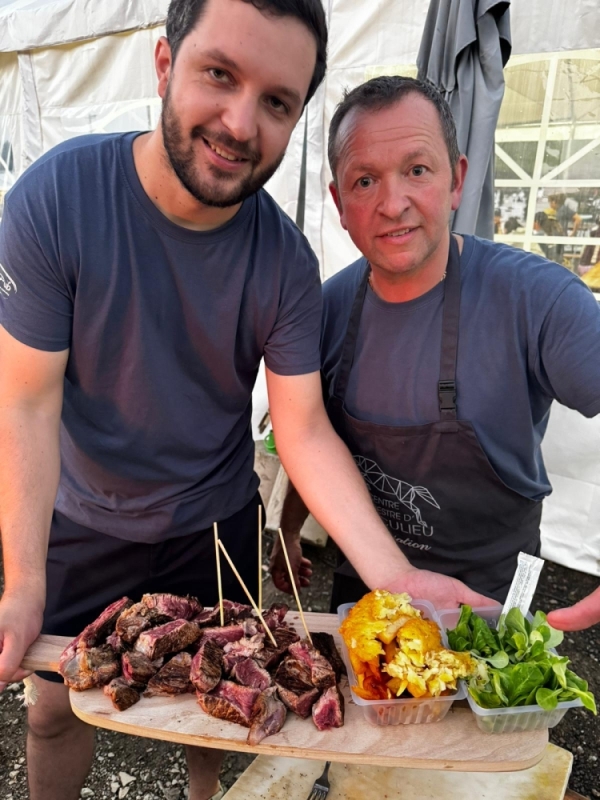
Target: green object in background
point(269, 441)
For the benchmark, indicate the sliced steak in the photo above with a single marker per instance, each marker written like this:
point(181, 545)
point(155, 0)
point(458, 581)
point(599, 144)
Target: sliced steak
point(328, 711)
point(115, 641)
point(137, 668)
point(294, 675)
point(230, 701)
point(325, 644)
point(207, 666)
point(96, 632)
point(123, 695)
point(268, 716)
point(172, 606)
point(275, 615)
point(229, 633)
point(136, 619)
point(169, 638)
point(300, 704)
point(90, 667)
point(173, 678)
point(321, 671)
point(270, 656)
point(243, 648)
point(248, 673)
point(211, 617)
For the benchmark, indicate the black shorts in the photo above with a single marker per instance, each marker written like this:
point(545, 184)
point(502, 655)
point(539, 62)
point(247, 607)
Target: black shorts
point(87, 570)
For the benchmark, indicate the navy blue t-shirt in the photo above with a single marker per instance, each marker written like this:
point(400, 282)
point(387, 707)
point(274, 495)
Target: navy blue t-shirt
point(529, 333)
point(166, 328)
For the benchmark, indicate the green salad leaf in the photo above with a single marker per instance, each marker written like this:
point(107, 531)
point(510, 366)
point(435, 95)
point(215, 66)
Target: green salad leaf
point(515, 664)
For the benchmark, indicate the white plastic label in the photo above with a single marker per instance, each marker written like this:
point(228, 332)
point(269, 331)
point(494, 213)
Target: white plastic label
point(524, 583)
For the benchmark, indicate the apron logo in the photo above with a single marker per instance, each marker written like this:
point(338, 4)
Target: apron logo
point(7, 284)
point(402, 491)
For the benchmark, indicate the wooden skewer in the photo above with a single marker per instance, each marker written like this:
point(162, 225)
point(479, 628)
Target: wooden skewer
point(296, 595)
point(260, 605)
point(220, 585)
point(248, 595)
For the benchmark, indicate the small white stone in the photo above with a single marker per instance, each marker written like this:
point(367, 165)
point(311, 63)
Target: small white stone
point(114, 787)
point(13, 774)
point(125, 778)
point(110, 755)
point(123, 792)
point(14, 687)
point(87, 792)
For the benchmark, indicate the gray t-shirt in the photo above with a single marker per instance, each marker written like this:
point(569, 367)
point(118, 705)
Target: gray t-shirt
point(166, 329)
point(529, 333)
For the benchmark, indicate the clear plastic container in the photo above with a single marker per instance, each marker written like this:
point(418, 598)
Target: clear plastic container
point(506, 720)
point(402, 711)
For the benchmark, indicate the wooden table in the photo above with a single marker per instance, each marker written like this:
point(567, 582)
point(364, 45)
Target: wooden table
point(270, 778)
point(455, 743)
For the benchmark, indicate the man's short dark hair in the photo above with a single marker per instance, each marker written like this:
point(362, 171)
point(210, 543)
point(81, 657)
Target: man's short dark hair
point(183, 16)
point(384, 92)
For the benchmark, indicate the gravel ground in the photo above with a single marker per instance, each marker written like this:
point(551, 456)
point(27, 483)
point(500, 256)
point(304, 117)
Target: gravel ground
point(144, 769)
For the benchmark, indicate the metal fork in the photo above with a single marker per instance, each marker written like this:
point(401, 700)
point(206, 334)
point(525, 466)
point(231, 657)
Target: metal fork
point(320, 788)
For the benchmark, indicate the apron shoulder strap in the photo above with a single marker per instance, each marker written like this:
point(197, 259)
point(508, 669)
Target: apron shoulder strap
point(450, 321)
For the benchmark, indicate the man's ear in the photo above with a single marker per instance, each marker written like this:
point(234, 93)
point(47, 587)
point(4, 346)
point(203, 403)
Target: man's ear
point(458, 181)
point(163, 65)
point(335, 193)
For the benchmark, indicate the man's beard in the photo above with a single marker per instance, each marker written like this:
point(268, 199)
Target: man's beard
point(230, 190)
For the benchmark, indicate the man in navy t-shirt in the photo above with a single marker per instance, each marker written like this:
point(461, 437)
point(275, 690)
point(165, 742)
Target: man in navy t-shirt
point(442, 354)
point(143, 277)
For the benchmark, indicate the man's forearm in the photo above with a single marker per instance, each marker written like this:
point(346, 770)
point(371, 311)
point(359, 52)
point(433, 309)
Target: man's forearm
point(293, 513)
point(321, 468)
point(29, 474)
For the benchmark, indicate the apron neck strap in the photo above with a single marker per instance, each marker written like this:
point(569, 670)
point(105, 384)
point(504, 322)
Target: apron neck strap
point(450, 320)
point(351, 336)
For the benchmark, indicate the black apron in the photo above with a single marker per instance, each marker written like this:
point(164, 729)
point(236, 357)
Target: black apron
point(433, 485)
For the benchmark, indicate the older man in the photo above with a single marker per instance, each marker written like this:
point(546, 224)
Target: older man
point(442, 353)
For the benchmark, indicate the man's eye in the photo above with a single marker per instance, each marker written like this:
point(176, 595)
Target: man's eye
point(418, 171)
point(218, 74)
point(364, 183)
point(276, 104)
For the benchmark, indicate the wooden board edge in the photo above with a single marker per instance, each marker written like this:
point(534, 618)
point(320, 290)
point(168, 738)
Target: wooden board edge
point(288, 751)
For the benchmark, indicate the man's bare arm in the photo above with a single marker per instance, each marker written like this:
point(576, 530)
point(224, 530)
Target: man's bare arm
point(31, 393)
point(323, 471)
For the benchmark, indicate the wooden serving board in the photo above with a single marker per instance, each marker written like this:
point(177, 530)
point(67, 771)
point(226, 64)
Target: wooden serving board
point(455, 743)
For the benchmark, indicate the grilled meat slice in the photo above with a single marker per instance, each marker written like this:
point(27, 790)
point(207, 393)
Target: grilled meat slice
point(321, 671)
point(115, 641)
point(173, 678)
point(270, 656)
point(207, 666)
point(137, 668)
point(325, 644)
point(169, 638)
point(123, 695)
point(328, 711)
point(268, 716)
point(243, 648)
point(275, 615)
point(229, 633)
point(90, 667)
point(300, 704)
point(172, 606)
point(248, 673)
point(94, 633)
point(136, 619)
point(211, 617)
point(229, 701)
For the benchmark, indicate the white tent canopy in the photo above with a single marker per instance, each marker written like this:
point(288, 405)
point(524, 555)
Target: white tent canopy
point(69, 67)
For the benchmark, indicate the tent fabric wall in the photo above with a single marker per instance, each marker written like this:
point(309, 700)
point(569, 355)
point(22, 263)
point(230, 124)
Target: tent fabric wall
point(10, 120)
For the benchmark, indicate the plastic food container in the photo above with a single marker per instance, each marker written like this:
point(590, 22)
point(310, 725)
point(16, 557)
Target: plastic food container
point(402, 711)
point(506, 720)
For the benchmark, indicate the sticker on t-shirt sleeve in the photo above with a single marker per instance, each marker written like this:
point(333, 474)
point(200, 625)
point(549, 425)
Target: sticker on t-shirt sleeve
point(7, 284)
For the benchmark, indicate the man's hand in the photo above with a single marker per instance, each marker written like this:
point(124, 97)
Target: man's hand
point(20, 625)
point(582, 615)
point(442, 591)
point(301, 567)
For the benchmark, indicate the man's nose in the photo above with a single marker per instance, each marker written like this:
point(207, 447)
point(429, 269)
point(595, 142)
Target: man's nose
point(394, 199)
point(240, 117)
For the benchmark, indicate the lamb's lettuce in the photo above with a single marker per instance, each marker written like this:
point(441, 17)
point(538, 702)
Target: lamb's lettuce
point(515, 665)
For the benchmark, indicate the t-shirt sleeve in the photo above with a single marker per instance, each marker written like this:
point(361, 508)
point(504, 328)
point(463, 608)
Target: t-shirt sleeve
point(293, 345)
point(569, 362)
point(35, 302)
